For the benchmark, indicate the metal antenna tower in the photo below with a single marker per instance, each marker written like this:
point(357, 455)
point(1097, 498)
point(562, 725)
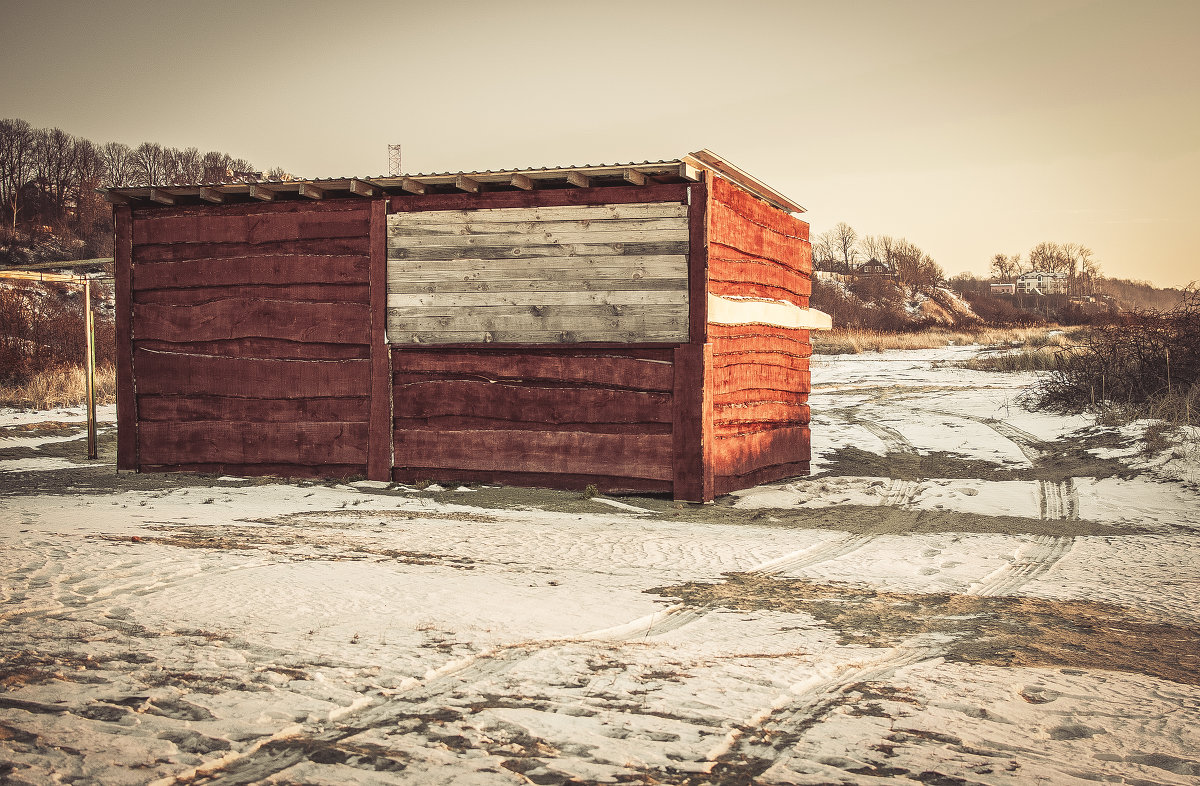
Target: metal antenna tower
point(394, 160)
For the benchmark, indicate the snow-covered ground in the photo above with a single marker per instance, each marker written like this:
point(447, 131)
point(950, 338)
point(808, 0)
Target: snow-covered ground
point(963, 592)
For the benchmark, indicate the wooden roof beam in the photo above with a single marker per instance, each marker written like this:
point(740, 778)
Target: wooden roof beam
point(470, 185)
point(162, 197)
point(363, 188)
point(578, 179)
point(413, 186)
point(523, 182)
point(114, 198)
point(311, 191)
point(264, 194)
point(635, 177)
point(211, 195)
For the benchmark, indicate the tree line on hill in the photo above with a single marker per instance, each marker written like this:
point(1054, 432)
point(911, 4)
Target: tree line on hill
point(49, 178)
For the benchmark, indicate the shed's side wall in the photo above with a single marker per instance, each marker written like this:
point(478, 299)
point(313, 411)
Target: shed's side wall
point(250, 332)
point(759, 375)
point(563, 418)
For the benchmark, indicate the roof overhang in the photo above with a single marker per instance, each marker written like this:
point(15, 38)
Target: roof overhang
point(689, 168)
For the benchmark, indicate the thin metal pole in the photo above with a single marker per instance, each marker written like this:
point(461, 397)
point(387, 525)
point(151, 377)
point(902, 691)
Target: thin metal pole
point(89, 325)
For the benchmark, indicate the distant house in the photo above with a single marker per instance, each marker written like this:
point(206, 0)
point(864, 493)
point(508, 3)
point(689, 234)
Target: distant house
point(873, 267)
point(1003, 289)
point(1039, 283)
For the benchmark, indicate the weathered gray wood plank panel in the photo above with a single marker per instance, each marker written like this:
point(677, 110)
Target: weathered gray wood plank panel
point(539, 275)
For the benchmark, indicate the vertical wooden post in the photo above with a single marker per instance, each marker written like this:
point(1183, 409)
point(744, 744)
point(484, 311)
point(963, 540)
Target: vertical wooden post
point(89, 326)
point(692, 397)
point(379, 429)
point(127, 440)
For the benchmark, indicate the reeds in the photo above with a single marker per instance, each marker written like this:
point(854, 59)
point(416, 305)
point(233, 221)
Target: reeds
point(63, 386)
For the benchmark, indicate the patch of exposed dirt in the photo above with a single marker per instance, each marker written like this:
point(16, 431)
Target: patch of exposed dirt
point(994, 631)
point(1063, 463)
point(311, 541)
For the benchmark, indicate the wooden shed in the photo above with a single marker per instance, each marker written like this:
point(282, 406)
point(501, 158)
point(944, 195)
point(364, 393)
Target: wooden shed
point(639, 327)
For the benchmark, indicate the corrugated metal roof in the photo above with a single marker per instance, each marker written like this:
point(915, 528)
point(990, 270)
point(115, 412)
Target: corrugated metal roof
point(686, 169)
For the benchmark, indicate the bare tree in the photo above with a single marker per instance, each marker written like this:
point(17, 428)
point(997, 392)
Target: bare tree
point(150, 164)
point(823, 247)
point(845, 244)
point(118, 165)
point(16, 163)
point(916, 270)
point(1005, 267)
point(872, 247)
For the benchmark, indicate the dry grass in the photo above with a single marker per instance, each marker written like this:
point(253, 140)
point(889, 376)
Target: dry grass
point(852, 341)
point(65, 386)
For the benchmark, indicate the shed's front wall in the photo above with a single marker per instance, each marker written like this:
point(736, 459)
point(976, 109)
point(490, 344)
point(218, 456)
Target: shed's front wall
point(248, 338)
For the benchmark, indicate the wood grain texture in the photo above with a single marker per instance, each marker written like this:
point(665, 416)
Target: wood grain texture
point(548, 452)
point(267, 348)
point(724, 484)
point(247, 442)
point(483, 248)
point(329, 471)
point(272, 270)
point(527, 402)
point(604, 483)
point(740, 455)
point(127, 440)
point(295, 293)
point(692, 416)
point(251, 228)
point(699, 216)
point(180, 374)
point(541, 198)
point(177, 252)
point(650, 372)
point(178, 408)
point(756, 250)
point(379, 442)
point(240, 317)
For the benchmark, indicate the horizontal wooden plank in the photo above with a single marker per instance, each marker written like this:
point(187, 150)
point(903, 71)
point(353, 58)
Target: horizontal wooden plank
point(186, 408)
point(248, 442)
point(522, 215)
point(746, 376)
point(752, 395)
point(604, 483)
point(672, 192)
point(789, 412)
point(594, 367)
point(530, 251)
point(299, 293)
point(724, 484)
point(551, 452)
point(261, 470)
point(183, 374)
point(742, 454)
point(426, 230)
point(250, 209)
point(729, 198)
point(540, 338)
point(479, 423)
point(173, 252)
point(273, 348)
point(526, 402)
point(345, 323)
point(460, 300)
point(599, 235)
point(248, 270)
point(785, 358)
point(744, 338)
point(537, 324)
point(470, 283)
point(252, 228)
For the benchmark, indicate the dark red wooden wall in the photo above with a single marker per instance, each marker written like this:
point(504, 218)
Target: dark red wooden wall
point(251, 342)
point(249, 338)
point(759, 375)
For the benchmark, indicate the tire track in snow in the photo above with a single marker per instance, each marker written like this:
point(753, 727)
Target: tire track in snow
point(292, 746)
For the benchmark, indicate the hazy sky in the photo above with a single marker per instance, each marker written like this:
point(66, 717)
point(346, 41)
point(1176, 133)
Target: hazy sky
point(968, 127)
